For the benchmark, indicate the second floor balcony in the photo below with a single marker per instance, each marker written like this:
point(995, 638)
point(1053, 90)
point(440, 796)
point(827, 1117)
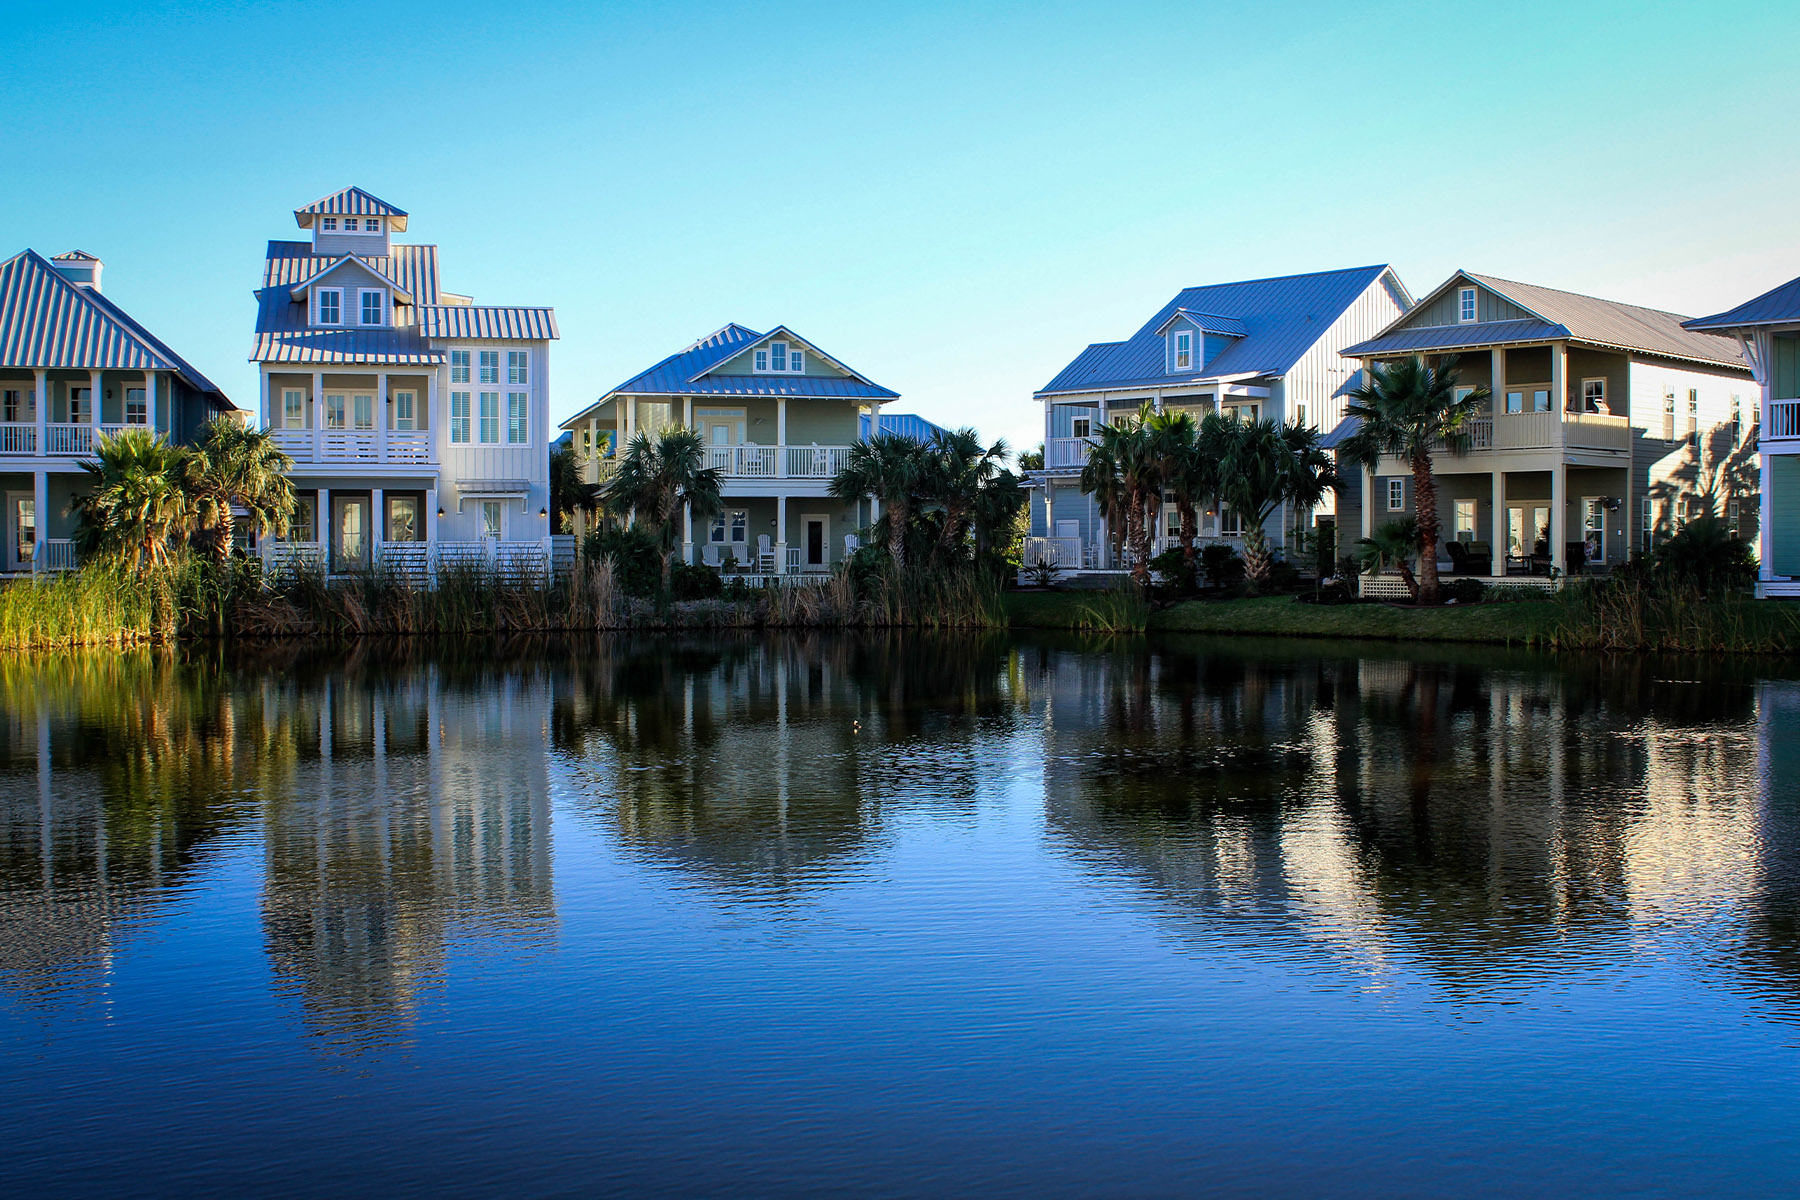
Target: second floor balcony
point(380, 447)
point(57, 440)
point(1550, 431)
point(751, 461)
point(1782, 422)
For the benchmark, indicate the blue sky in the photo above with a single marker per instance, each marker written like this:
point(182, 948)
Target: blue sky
point(952, 198)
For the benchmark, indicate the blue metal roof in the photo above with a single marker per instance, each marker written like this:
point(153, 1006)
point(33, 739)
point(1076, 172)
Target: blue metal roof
point(284, 335)
point(1281, 319)
point(351, 201)
point(906, 425)
point(1208, 322)
point(491, 321)
point(1779, 306)
point(1440, 337)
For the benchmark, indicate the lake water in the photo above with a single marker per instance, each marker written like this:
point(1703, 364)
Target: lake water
point(896, 916)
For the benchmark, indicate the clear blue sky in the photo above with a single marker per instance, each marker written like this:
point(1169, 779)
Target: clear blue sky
point(953, 198)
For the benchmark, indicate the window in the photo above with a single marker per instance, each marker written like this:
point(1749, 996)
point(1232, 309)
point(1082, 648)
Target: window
point(1593, 395)
point(490, 366)
point(1464, 522)
point(796, 362)
point(303, 528)
point(459, 416)
point(334, 412)
point(404, 414)
point(1540, 400)
point(1515, 402)
point(762, 361)
point(459, 366)
point(403, 519)
point(1396, 495)
point(490, 417)
point(362, 412)
point(490, 518)
point(81, 406)
point(328, 224)
point(293, 408)
point(12, 406)
point(374, 307)
point(1731, 518)
point(1184, 350)
point(1240, 412)
point(1668, 416)
point(1693, 416)
point(137, 412)
point(330, 306)
point(1231, 524)
point(1082, 427)
point(731, 526)
point(518, 369)
point(518, 430)
point(1300, 416)
point(778, 356)
point(1465, 306)
point(371, 224)
point(1648, 522)
point(1737, 417)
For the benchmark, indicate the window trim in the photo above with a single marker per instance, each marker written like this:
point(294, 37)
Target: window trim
point(1396, 495)
point(482, 418)
point(482, 368)
point(1468, 299)
point(328, 224)
point(1456, 530)
point(293, 416)
point(337, 296)
point(459, 420)
point(498, 507)
point(362, 306)
point(1177, 351)
point(518, 368)
point(411, 416)
point(1601, 399)
point(339, 410)
point(521, 419)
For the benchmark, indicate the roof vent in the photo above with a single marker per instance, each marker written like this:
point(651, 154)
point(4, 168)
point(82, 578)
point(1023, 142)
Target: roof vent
point(79, 267)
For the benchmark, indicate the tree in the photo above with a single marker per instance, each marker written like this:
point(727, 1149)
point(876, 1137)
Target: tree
point(1032, 460)
point(996, 515)
point(1262, 466)
point(1407, 410)
point(568, 490)
point(1124, 475)
point(657, 480)
point(958, 468)
point(1391, 546)
point(139, 505)
point(235, 467)
point(1189, 470)
point(890, 468)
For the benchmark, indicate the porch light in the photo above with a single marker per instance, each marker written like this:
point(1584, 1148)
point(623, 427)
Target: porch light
point(543, 512)
point(440, 512)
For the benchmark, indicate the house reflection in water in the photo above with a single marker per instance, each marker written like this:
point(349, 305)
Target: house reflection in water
point(412, 814)
point(1480, 822)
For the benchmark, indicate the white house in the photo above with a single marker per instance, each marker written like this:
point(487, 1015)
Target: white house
point(418, 420)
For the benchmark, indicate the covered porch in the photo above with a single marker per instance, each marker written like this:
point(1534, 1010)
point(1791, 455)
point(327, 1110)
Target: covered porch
point(353, 527)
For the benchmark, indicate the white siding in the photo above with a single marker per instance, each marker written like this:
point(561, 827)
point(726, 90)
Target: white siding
point(475, 461)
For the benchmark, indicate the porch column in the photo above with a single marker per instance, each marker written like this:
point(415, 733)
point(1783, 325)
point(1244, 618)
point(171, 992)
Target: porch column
point(1368, 502)
point(1497, 534)
point(1559, 387)
point(149, 400)
point(1497, 372)
point(629, 419)
point(687, 412)
point(1559, 518)
point(41, 403)
point(433, 421)
point(431, 511)
point(40, 499)
point(1765, 518)
point(269, 419)
point(377, 524)
point(687, 533)
point(322, 528)
point(781, 437)
point(382, 417)
point(781, 507)
point(95, 395)
point(318, 414)
point(874, 419)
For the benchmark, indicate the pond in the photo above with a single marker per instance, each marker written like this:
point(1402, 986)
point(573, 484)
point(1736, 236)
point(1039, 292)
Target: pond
point(897, 915)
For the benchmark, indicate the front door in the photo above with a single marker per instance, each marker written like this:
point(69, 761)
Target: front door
point(816, 550)
point(1594, 529)
point(403, 519)
point(349, 533)
point(21, 530)
point(1526, 526)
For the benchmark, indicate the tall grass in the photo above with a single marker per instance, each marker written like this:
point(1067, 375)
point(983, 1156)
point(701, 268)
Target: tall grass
point(1122, 609)
point(96, 607)
point(1631, 614)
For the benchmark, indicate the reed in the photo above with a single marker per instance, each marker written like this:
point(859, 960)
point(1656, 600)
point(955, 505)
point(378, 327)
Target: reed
point(1632, 614)
point(97, 607)
point(1115, 610)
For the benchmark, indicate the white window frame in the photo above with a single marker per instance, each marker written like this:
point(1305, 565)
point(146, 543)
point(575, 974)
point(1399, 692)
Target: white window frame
point(328, 224)
point(1300, 421)
point(1594, 401)
point(12, 406)
point(1668, 415)
point(335, 410)
point(759, 363)
point(778, 353)
point(1081, 427)
point(518, 367)
point(1468, 305)
point(518, 418)
point(487, 425)
point(459, 418)
point(362, 305)
point(293, 408)
point(1396, 497)
point(141, 403)
point(371, 225)
point(488, 361)
point(459, 367)
point(1184, 349)
point(1457, 508)
point(362, 411)
point(1693, 416)
point(1647, 533)
point(337, 302)
point(406, 409)
point(496, 508)
point(1230, 522)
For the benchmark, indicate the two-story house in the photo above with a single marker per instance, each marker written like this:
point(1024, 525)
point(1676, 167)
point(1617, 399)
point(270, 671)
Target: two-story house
point(1609, 425)
point(1767, 331)
point(418, 420)
point(778, 416)
point(75, 366)
point(1261, 348)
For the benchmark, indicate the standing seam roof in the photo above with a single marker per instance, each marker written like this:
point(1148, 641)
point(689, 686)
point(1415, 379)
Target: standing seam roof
point(1777, 306)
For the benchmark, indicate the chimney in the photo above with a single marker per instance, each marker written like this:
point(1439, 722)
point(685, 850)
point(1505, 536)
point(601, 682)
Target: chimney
point(79, 267)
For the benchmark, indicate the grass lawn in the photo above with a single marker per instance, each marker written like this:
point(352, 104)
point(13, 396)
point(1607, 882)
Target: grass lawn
point(1518, 623)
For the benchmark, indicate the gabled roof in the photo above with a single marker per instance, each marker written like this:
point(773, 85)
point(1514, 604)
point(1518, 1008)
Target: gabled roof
point(1777, 306)
point(282, 332)
point(680, 374)
point(491, 321)
point(1555, 316)
point(906, 425)
point(46, 321)
point(352, 201)
point(1282, 318)
point(1206, 323)
point(777, 333)
point(74, 256)
point(298, 291)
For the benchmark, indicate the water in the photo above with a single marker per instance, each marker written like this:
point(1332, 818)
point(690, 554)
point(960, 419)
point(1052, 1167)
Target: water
point(898, 916)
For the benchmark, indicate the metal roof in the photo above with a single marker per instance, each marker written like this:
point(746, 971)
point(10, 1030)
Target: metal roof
point(494, 322)
point(352, 201)
point(74, 256)
point(1282, 319)
point(1778, 306)
point(47, 321)
point(1207, 322)
point(379, 347)
point(1561, 315)
point(684, 374)
point(283, 334)
point(367, 264)
point(907, 425)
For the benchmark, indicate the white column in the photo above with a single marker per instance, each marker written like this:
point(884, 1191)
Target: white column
point(95, 396)
point(1497, 530)
point(1559, 518)
point(1368, 502)
point(1559, 387)
point(433, 420)
point(40, 497)
point(382, 418)
point(687, 412)
point(1497, 372)
point(41, 403)
point(431, 511)
point(318, 415)
point(322, 521)
point(1765, 521)
point(781, 507)
point(629, 409)
point(781, 468)
point(377, 525)
point(687, 533)
point(874, 419)
point(149, 400)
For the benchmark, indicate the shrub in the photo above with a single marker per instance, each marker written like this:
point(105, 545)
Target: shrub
point(1043, 574)
point(1466, 591)
point(695, 581)
point(1220, 565)
point(1706, 555)
point(637, 563)
point(1170, 569)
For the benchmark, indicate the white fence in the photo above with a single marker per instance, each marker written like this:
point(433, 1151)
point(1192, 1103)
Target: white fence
point(392, 446)
point(1393, 587)
point(419, 561)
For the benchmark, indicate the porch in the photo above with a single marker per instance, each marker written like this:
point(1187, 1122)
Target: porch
point(78, 407)
point(418, 562)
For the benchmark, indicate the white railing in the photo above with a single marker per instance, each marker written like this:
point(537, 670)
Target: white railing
point(599, 470)
point(796, 565)
point(1596, 431)
point(288, 556)
point(18, 437)
point(1066, 452)
point(1481, 433)
point(409, 446)
point(747, 461)
point(1064, 552)
point(421, 560)
point(58, 554)
point(71, 440)
point(1783, 419)
point(411, 559)
point(1525, 431)
point(815, 462)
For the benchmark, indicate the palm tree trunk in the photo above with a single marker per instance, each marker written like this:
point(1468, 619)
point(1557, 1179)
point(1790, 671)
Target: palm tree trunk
point(896, 514)
point(1256, 557)
point(1189, 519)
point(1140, 541)
point(1425, 488)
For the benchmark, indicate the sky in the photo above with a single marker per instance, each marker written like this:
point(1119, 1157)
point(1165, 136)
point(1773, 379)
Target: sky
point(953, 199)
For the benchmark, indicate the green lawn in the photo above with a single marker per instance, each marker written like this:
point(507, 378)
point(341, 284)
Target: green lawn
point(1517, 623)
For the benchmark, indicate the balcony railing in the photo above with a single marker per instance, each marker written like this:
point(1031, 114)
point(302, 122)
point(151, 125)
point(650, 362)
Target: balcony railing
point(405, 447)
point(1783, 419)
point(1066, 452)
point(18, 437)
point(751, 461)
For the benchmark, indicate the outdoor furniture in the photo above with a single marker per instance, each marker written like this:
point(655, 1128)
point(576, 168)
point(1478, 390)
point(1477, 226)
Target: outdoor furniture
point(852, 544)
point(1470, 558)
point(709, 555)
point(741, 552)
point(1577, 556)
point(765, 554)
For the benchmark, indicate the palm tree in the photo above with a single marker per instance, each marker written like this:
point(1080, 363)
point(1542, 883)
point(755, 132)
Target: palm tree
point(569, 492)
point(1125, 475)
point(890, 468)
point(139, 505)
point(995, 518)
point(1262, 466)
point(959, 468)
point(1407, 410)
point(233, 466)
point(657, 480)
point(1391, 546)
point(1189, 469)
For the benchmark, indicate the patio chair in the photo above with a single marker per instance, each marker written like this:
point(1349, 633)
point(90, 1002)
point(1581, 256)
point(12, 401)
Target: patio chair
point(741, 552)
point(852, 544)
point(709, 555)
point(765, 554)
point(1577, 556)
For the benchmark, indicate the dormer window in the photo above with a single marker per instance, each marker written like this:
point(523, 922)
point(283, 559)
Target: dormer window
point(1465, 306)
point(374, 307)
point(1184, 350)
point(328, 224)
point(371, 224)
point(777, 356)
point(780, 358)
point(331, 311)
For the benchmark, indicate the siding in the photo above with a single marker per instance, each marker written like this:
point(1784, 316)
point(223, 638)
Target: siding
point(1321, 376)
point(745, 364)
point(1447, 308)
point(475, 461)
point(1784, 532)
